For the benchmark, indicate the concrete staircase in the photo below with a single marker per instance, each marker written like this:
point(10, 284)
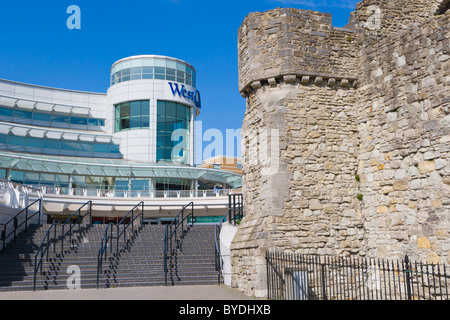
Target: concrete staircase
point(139, 263)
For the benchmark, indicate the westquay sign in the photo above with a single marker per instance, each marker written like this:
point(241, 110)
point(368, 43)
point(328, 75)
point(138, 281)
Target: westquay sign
point(181, 91)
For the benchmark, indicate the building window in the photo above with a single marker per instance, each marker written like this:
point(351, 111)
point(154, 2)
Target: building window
point(50, 119)
point(172, 136)
point(59, 147)
point(133, 115)
point(153, 68)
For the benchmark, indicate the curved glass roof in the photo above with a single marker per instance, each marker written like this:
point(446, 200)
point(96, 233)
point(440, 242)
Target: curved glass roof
point(113, 168)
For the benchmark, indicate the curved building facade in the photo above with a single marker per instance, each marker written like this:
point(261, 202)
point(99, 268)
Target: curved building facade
point(137, 137)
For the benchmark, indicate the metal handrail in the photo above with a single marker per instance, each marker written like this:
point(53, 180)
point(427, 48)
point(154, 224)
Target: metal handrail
point(15, 220)
point(171, 231)
point(102, 253)
point(133, 218)
point(72, 225)
point(44, 249)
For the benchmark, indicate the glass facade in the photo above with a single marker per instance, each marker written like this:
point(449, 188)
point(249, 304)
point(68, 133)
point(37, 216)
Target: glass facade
point(53, 120)
point(172, 135)
point(59, 147)
point(132, 115)
point(153, 68)
point(40, 179)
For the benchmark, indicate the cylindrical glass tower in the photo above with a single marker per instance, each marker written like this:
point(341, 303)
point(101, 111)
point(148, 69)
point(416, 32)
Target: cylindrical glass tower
point(152, 104)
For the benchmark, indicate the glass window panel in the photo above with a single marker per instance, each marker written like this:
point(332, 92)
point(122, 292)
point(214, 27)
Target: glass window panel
point(136, 70)
point(61, 178)
point(170, 71)
point(147, 69)
point(42, 116)
point(145, 121)
point(3, 139)
point(139, 184)
point(17, 176)
point(22, 114)
point(3, 173)
point(79, 179)
point(171, 64)
point(136, 77)
point(60, 118)
point(168, 154)
point(121, 183)
point(85, 147)
point(160, 77)
point(159, 153)
point(160, 70)
point(33, 176)
point(124, 110)
point(51, 144)
point(94, 122)
point(135, 122)
point(124, 124)
point(125, 78)
point(80, 121)
point(101, 148)
point(135, 108)
point(147, 76)
point(6, 112)
point(170, 78)
point(101, 122)
point(181, 67)
point(115, 148)
point(145, 105)
point(16, 141)
point(47, 177)
point(136, 63)
point(33, 142)
point(148, 62)
point(171, 109)
point(69, 146)
point(160, 62)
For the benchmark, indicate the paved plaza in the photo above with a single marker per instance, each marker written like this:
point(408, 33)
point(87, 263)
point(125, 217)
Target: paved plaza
point(213, 292)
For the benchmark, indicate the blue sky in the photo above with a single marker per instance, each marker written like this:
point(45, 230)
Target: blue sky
point(38, 48)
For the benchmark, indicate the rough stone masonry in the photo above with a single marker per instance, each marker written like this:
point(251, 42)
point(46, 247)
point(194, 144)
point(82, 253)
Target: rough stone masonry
point(346, 136)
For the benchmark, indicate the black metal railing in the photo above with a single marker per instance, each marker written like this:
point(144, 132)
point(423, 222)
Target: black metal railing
point(173, 234)
point(44, 251)
point(133, 218)
point(306, 277)
point(102, 253)
point(50, 238)
point(108, 237)
point(235, 208)
point(16, 225)
point(68, 226)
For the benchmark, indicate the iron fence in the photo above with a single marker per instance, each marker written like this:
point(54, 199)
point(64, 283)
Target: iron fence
point(307, 277)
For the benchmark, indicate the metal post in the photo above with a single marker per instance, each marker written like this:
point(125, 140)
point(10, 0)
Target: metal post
point(408, 278)
point(324, 292)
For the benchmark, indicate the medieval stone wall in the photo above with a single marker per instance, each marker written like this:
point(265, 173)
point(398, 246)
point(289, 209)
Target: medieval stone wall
point(404, 133)
point(345, 136)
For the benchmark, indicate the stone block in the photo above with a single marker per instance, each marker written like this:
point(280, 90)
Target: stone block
point(426, 166)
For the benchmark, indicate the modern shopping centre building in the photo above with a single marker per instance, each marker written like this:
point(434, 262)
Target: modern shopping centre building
point(135, 142)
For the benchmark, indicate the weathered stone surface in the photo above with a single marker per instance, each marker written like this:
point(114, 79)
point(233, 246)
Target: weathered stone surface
point(382, 116)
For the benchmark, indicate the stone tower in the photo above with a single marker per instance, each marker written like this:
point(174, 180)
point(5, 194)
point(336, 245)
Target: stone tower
point(346, 135)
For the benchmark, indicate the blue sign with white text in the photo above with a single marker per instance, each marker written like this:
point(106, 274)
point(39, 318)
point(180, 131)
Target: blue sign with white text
point(183, 93)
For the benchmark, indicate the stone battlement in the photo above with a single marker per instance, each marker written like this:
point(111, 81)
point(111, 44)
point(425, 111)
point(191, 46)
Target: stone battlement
point(289, 45)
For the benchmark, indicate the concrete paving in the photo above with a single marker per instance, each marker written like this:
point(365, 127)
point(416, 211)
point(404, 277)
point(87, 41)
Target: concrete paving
point(214, 292)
